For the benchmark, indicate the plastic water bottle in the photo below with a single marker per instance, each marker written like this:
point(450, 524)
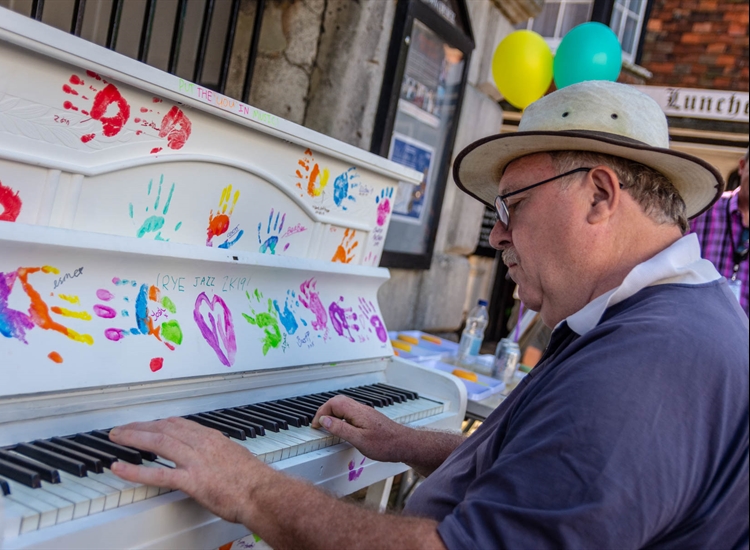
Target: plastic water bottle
point(473, 334)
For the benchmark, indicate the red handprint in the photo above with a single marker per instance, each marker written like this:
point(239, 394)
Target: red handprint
point(10, 203)
point(109, 106)
point(175, 126)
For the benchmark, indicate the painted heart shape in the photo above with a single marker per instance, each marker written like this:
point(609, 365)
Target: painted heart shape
point(218, 330)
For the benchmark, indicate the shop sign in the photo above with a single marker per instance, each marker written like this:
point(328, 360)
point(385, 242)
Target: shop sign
point(699, 103)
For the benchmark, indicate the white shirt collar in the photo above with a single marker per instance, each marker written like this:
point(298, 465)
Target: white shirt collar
point(679, 263)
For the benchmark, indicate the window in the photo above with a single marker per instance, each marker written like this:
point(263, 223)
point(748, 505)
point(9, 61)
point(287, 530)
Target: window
point(558, 17)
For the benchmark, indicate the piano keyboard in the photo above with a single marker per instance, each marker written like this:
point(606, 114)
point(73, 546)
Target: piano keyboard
point(53, 481)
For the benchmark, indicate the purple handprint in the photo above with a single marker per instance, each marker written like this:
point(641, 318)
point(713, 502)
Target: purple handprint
point(340, 317)
point(310, 298)
point(368, 310)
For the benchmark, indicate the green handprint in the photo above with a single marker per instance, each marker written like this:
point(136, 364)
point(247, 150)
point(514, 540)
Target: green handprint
point(269, 322)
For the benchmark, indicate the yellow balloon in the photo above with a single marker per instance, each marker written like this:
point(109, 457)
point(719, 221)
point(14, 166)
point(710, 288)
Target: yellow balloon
point(522, 67)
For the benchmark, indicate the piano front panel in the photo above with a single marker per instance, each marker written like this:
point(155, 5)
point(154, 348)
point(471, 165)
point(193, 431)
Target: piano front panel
point(80, 310)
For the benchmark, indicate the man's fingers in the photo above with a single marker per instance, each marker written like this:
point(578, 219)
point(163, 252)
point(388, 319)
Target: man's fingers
point(341, 429)
point(152, 439)
point(339, 406)
point(155, 477)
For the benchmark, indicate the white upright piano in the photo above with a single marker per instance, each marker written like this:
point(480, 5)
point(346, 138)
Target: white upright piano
point(166, 250)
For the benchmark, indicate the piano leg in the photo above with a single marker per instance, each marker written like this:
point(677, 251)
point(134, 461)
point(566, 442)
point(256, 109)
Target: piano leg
point(378, 493)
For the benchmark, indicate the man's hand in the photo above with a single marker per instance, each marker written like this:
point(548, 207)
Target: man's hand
point(372, 433)
point(216, 472)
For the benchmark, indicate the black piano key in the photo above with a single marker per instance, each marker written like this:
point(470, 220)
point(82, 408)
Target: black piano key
point(145, 455)
point(387, 398)
point(357, 399)
point(4, 487)
point(409, 394)
point(22, 475)
point(93, 464)
point(397, 397)
point(314, 401)
point(305, 416)
point(373, 401)
point(45, 472)
point(106, 458)
point(252, 416)
point(247, 430)
point(227, 430)
point(51, 458)
point(264, 408)
point(257, 429)
point(123, 453)
point(300, 405)
point(301, 418)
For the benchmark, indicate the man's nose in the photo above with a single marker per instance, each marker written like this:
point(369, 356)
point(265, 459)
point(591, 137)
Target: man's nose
point(499, 237)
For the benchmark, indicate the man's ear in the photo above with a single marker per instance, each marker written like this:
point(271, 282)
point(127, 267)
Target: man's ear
point(604, 193)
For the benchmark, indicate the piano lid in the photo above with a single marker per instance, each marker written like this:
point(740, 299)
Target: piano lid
point(159, 231)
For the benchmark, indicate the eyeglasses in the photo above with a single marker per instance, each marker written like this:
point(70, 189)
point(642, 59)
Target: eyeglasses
point(503, 215)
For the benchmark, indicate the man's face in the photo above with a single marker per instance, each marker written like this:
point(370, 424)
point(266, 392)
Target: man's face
point(541, 246)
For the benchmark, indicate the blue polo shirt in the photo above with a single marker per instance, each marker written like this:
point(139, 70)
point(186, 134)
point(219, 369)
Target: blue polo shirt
point(633, 434)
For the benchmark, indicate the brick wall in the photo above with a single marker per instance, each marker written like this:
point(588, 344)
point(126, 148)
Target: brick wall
point(698, 44)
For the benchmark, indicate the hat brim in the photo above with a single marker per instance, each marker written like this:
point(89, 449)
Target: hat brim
point(478, 168)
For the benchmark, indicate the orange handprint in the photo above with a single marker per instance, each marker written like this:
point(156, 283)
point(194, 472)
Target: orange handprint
point(219, 224)
point(310, 177)
point(345, 251)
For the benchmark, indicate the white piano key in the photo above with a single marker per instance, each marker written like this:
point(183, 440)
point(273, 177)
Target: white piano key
point(110, 494)
point(125, 488)
point(96, 499)
point(81, 504)
point(34, 499)
point(152, 491)
point(19, 519)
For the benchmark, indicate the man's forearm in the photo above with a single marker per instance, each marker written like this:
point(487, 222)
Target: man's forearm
point(288, 513)
point(426, 450)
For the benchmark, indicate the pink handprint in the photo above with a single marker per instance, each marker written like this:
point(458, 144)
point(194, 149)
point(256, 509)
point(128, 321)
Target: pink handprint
point(370, 313)
point(310, 298)
point(384, 205)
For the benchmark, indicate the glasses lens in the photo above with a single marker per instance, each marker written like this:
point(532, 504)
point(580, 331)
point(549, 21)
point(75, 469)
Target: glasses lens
point(501, 211)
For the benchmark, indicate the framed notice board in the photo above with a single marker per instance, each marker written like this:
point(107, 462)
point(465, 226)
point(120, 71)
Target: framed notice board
point(417, 117)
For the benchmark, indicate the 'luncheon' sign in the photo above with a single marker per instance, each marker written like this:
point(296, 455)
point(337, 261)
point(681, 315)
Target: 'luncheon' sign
point(698, 103)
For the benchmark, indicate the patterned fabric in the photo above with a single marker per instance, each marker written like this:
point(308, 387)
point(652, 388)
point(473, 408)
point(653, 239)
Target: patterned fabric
point(716, 242)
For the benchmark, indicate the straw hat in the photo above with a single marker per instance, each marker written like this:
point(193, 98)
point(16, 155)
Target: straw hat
point(598, 116)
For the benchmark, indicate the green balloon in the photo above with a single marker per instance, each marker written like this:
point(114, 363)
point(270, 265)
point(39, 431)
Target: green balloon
point(590, 51)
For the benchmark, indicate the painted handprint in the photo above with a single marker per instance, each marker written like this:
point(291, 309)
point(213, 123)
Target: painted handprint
point(108, 107)
point(218, 330)
point(343, 187)
point(268, 321)
point(151, 312)
point(286, 314)
point(355, 472)
point(310, 298)
point(15, 324)
point(175, 125)
point(155, 222)
point(272, 234)
point(310, 178)
point(371, 258)
point(345, 251)
point(10, 204)
point(219, 223)
point(384, 205)
point(342, 319)
point(370, 313)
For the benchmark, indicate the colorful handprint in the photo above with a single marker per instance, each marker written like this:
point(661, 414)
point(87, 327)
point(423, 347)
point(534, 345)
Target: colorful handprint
point(345, 251)
point(342, 319)
point(286, 315)
point(370, 313)
point(108, 107)
point(14, 323)
point(151, 312)
point(310, 298)
point(384, 205)
point(155, 222)
point(354, 471)
point(310, 178)
point(219, 223)
point(10, 204)
point(272, 235)
point(343, 186)
point(268, 321)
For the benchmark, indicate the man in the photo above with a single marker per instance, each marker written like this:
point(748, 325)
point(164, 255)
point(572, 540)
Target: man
point(724, 235)
point(631, 432)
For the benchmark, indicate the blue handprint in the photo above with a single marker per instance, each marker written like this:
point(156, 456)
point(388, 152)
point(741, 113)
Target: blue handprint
point(343, 186)
point(272, 235)
point(384, 205)
point(155, 222)
point(286, 315)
